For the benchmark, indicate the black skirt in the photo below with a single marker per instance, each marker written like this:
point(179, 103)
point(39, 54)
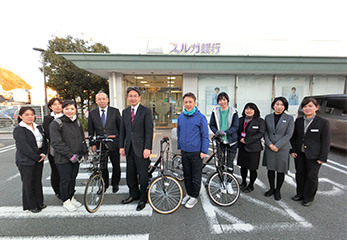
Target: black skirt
point(249, 160)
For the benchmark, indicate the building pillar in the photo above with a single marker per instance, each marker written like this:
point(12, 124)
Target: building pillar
point(236, 87)
point(116, 90)
point(190, 83)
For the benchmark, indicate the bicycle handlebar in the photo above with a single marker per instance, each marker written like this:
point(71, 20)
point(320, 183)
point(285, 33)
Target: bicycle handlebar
point(217, 136)
point(102, 138)
point(164, 139)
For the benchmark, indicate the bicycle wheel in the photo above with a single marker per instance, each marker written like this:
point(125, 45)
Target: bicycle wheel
point(177, 167)
point(94, 193)
point(165, 194)
point(223, 190)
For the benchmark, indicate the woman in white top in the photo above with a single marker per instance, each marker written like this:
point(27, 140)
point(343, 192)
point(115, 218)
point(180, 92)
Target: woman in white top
point(31, 147)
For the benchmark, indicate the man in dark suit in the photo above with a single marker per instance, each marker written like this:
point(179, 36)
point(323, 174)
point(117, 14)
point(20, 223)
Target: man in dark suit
point(106, 120)
point(135, 142)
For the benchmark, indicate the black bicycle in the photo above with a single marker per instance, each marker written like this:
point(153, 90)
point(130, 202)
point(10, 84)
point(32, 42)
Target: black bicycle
point(165, 193)
point(95, 189)
point(222, 186)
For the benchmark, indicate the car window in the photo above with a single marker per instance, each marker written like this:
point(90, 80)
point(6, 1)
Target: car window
point(336, 107)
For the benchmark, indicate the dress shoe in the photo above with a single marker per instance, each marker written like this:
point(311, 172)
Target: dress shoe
point(243, 185)
point(248, 189)
point(43, 206)
point(35, 210)
point(277, 195)
point(129, 200)
point(297, 198)
point(140, 206)
point(115, 189)
point(269, 193)
point(306, 203)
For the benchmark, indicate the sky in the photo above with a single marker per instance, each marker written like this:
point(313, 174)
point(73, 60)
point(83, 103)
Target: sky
point(247, 27)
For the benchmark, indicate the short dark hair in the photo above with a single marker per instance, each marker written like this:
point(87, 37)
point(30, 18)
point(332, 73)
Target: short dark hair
point(50, 102)
point(22, 110)
point(283, 100)
point(189, 94)
point(216, 88)
point(308, 100)
point(222, 95)
point(136, 89)
point(254, 107)
point(69, 102)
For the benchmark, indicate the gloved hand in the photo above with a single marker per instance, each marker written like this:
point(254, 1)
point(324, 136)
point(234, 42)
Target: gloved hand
point(75, 158)
point(220, 133)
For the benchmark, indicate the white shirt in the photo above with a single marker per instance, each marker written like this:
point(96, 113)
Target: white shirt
point(135, 108)
point(100, 112)
point(37, 134)
point(56, 115)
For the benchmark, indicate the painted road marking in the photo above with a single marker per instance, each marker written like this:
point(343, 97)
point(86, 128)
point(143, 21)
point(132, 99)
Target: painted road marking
point(93, 237)
point(213, 213)
point(123, 189)
point(116, 210)
point(8, 148)
point(82, 176)
point(337, 188)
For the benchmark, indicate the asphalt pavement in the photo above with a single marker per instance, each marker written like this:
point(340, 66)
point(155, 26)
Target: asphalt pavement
point(253, 216)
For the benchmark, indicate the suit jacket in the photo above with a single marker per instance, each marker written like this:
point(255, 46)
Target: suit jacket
point(316, 141)
point(45, 124)
point(139, 135)
point(281, 134)
point(280, 137)
point(254, 133)
point(113, 122)
point(28, 152)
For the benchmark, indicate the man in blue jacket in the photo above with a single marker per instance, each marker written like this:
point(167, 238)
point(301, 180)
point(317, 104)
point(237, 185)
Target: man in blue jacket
point(192, 142)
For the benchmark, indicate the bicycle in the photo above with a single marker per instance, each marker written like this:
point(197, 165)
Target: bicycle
point(165, 193)
point(222, 186)
point(95, 188)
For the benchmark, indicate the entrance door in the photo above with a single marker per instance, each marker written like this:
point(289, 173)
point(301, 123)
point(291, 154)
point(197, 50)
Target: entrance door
point(162, 94)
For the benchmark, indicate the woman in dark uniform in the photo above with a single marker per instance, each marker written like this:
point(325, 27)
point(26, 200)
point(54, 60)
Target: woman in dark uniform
point(55, 106)
point(250, 132)
point(31, 147)
point(310, 148)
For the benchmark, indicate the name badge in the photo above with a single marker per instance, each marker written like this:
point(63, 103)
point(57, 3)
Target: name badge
point(314, 130)
point(255, 127)
point(284, 121)
point(243, 134)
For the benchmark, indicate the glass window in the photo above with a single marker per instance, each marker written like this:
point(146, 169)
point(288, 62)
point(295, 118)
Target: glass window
point(336, 107)
point(209, 86)
point(324, 85)
point(256, 89)
point(294, 89)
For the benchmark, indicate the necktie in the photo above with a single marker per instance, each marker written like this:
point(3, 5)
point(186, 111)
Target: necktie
point(132, 115)
point(103, 118)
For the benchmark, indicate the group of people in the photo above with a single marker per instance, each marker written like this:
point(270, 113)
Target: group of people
point(307, 140)
point(61, 138)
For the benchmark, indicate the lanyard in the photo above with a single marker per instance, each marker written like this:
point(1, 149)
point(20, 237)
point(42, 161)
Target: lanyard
point(246, 123)
point(305, 130)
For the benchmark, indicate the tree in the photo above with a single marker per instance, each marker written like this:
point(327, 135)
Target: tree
point(67, 79)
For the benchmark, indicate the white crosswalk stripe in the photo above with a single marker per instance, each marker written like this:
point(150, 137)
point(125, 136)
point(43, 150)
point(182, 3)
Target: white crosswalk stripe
point(117, 210)
point(93, 237)
point(57, 211)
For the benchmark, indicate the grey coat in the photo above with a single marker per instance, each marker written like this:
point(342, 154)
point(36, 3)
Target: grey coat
point(280, 137)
